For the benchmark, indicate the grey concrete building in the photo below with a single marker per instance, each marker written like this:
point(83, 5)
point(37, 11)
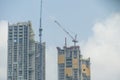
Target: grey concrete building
point(39, 62)
point(21, 52)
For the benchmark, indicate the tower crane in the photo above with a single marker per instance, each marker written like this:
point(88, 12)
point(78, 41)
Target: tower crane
point(74, 39)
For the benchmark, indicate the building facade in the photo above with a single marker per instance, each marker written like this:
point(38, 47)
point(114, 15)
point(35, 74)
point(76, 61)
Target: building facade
point(39, 62)
point(85, 69)
point(21, 52)
point(71, 66)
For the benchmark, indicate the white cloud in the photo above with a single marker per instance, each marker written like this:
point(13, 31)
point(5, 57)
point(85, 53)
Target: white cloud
point(104, 49)
point(3, 50)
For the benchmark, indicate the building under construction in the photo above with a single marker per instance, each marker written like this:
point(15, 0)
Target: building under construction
point(71, 65)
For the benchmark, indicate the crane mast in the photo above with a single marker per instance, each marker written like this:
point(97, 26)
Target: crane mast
point(40, 72)
point(74, 40)
point(40, 29)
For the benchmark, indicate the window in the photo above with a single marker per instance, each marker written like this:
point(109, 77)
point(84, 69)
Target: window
point(20, 35)
point(15, 40)
point(20, 40)
point(75, 54)
point(69, 54)
point(20, 32)
point(20, 27)
point(20, 73)
point(68, 62)
point(15, 57)
point(75, 74)
point(9, 78)
point(15, 35)
point(10, 35)
point(15, 28)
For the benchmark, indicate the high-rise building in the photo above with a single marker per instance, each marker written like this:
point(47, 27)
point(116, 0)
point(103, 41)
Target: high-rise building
point(39, 62)
point(71, 66)
point(21, 52)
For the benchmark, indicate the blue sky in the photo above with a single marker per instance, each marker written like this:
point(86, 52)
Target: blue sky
point(78, 16)
point(96, 22)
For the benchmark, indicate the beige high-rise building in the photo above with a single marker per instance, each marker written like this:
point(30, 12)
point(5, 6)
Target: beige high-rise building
point(71, 66)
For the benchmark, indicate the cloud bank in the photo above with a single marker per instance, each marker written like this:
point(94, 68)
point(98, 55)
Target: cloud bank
point(3, 50)
point(104, 49)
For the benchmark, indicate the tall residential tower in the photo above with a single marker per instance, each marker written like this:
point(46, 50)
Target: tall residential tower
point(21, 52)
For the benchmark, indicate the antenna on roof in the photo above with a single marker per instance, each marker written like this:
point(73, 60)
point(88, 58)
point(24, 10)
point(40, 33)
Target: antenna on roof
point(65, 42)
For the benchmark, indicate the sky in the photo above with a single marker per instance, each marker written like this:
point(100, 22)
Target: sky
point(96, 22)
